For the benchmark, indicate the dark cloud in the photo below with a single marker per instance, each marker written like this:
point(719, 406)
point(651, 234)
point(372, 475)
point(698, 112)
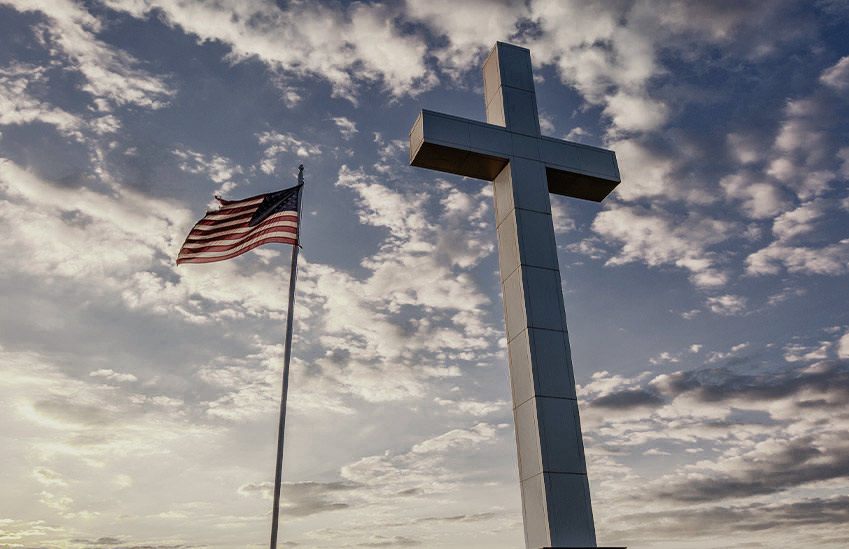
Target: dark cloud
point(631, 398)
point(739, 360)
point(114, 542)
point(301, 499)
point(394, 541)
point(718, 384)
point(459, 518)
point(784, 463)
point(756, 517)
point(64, 410)
point(158, 546)
point(794, 463)
point(476, 517)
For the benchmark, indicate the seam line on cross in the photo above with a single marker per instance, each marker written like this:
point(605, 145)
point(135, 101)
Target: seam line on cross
point(526, 328)
point(551, 473)
point(544, 396)
point(507, 215)
point(527, 265)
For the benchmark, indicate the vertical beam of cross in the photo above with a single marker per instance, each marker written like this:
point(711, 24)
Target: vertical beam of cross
point(524, 167)
point(552, 469)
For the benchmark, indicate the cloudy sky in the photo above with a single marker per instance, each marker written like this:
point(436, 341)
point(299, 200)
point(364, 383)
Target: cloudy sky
point(706, 297)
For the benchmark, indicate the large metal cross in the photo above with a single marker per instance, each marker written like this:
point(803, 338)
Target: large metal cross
point(524, 168)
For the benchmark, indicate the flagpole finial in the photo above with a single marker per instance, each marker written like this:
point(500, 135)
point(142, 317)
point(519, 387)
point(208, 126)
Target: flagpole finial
point(301, 174)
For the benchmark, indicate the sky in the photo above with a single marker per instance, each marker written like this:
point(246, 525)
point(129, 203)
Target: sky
point(706, 297)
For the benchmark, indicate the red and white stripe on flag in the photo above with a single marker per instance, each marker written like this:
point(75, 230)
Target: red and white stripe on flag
point(242, 225)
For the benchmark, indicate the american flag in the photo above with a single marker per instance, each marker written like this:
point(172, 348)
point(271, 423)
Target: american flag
point(242, 225)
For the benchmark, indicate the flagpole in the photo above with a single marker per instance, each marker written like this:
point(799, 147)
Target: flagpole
point(287, 353)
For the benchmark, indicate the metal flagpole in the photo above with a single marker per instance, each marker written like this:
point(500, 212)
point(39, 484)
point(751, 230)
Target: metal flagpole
point(287, 353)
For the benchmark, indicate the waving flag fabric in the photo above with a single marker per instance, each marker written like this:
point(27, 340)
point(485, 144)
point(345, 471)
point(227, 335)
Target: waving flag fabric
point(242, 225)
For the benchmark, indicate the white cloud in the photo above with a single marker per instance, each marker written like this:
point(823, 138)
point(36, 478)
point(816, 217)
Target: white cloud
point(837, 76)
point(803, 160)
point(589, 247)
point(757, 200)
point(389, 151)
point(631, 112)
point(112, 237)
point(348, 46)
point(800, 142)
point(797, 222)
point(727, 305)
point(474, 408)
point(659, 240)
point(117, 242)
point(423, 468)
point(219, 169)
point(689, 315)
point(71, 421)
point(112, 375)
point(249, 387)
point(665, 356)
point(127, 239)
point(603, 383)
point(17, 530)
point(796, 352)
point(216, 167)
point(48, 477)
point(795, 131)
point(546, 126)
point(561, 216)
point(17, 106)
point(784, 295)
point(105, 124)
point(716, 356)
point(801, 148)
point(616, 75)
point(346, 127)
point(458, 438)
point(576, 134)
point(470, 31)
point(843, 346)
point(745, 148)
point(420, 264)
point(417, 319)
point(832, 259)
point(373, 351)
point(290, 97)
point(109, 73)
point(277, 143)
point(645, 173)
point(606, 56)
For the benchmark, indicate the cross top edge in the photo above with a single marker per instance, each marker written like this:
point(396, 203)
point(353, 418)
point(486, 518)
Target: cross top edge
point(509, 89)
point(481, 150)
point(508, 45)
